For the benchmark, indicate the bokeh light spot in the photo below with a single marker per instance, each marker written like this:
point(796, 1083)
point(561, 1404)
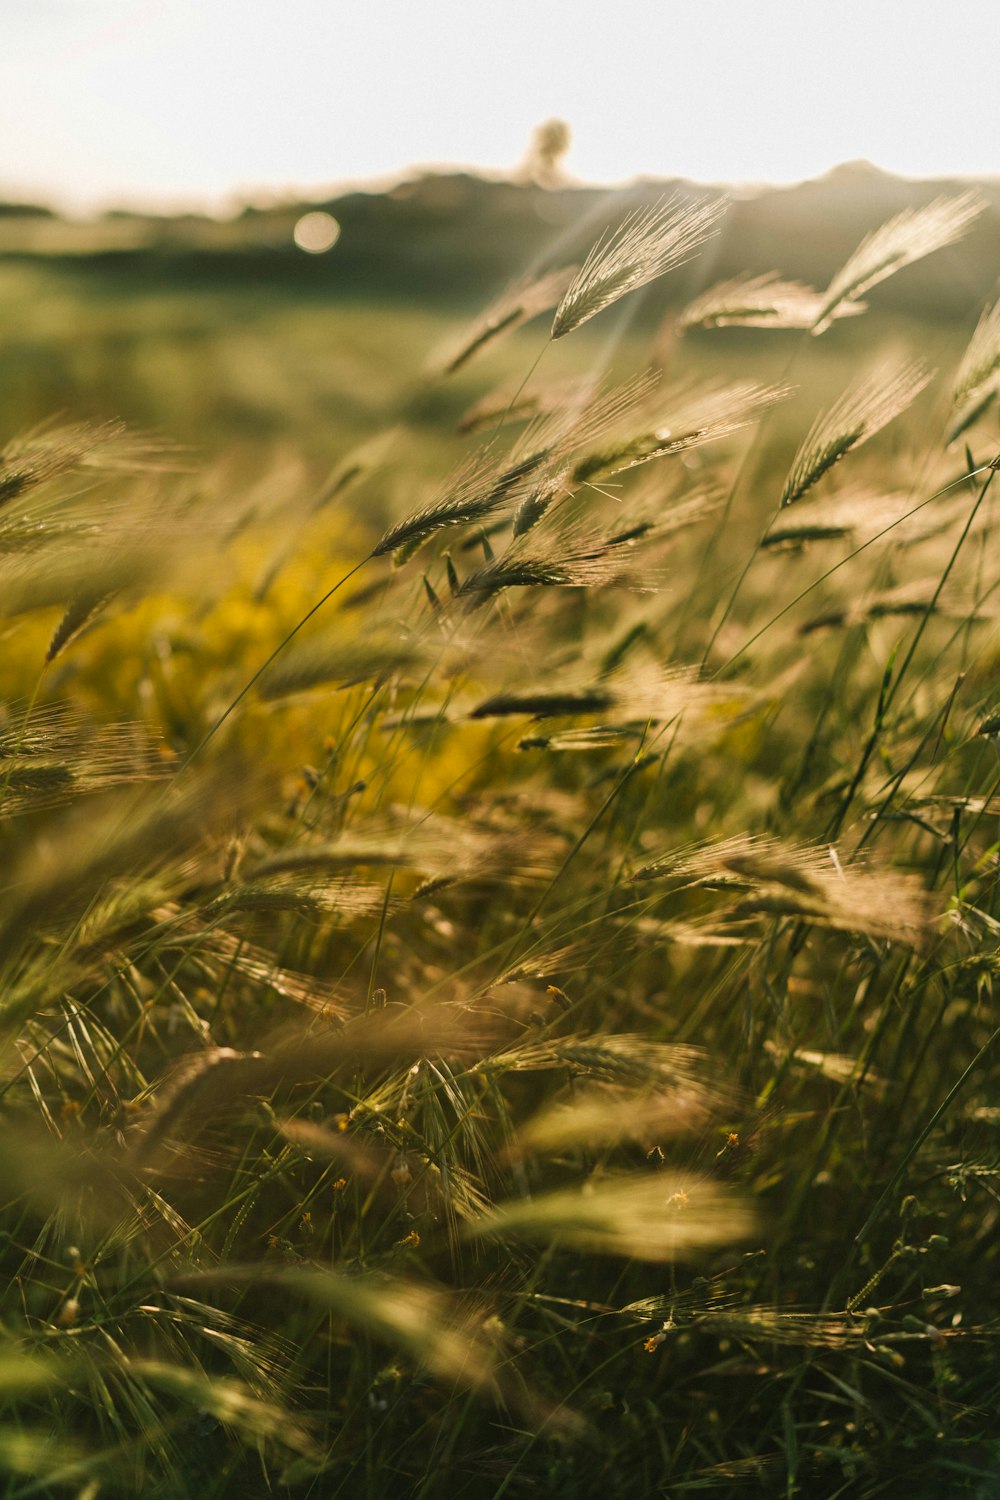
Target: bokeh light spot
point(316, 232)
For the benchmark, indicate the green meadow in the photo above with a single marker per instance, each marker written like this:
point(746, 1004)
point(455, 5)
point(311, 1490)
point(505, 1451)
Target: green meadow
point(499, 774)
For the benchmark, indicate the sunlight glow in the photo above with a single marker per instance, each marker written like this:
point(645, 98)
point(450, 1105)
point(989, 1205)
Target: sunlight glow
point(199, 101)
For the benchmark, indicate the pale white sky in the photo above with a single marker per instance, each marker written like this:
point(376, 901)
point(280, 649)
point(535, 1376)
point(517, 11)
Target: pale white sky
point(171, 101)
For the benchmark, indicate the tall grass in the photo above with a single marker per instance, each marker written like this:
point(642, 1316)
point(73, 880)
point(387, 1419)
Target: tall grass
point(453, 1044)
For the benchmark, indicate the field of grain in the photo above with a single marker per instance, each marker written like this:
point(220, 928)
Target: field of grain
point(500, 872)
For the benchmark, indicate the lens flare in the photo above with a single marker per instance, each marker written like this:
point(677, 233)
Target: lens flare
point(316, 232)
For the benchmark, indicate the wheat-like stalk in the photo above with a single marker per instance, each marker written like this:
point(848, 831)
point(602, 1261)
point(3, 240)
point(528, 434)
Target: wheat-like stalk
point(507, 406)
point(567, 557)
point(217, 954)
point(434, 845)
point(657, 1217)
point(741, 856)
point(44, 453)
point(767, 301)
point(862, 411)
point(359, 464)
point(439, 1332)
point(478, 489)
point(517, 306)
point(648, 243)
point(909, 236)
point(693, 417)
point(343, 663)
point(806, 881)
point(919, 597)
point(859, 510)
point(55, 755)
point(485, 485)
point(604, 1117)
point(646, 693)
point(978, 377)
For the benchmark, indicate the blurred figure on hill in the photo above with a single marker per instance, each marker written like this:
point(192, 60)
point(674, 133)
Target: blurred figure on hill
point(542, 163)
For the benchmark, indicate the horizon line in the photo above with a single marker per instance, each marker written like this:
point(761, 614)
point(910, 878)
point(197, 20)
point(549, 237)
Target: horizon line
point(262, 197)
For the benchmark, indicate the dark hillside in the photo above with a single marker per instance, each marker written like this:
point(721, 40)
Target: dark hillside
point(457, 237)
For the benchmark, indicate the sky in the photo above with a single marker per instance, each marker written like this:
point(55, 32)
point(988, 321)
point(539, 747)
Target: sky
point(208, 103)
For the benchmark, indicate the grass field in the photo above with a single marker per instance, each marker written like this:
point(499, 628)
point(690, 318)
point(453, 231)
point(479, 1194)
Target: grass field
point(500, 879)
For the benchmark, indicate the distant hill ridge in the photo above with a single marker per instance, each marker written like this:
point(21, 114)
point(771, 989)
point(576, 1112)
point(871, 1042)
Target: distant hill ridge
point(460, 236)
